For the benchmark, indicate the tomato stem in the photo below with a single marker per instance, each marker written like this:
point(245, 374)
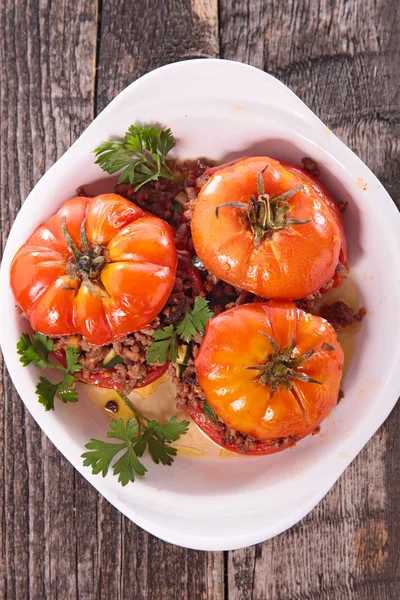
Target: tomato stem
point(68, 239)
point(89, 263)
point(281, 366)
point(266, 214)
point(84, 240)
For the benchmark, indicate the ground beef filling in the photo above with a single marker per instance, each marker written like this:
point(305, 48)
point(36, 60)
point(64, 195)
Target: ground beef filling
point(310, 165)
point(168, 201)
point(131, 348)
point(341, 315)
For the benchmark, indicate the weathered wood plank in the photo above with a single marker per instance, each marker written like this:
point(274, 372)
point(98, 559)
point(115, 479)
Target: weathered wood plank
point(341, 59)
point(153, 36)
point(47, 52)
point(138, 37)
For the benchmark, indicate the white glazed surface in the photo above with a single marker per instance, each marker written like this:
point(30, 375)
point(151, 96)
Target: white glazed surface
point(221, 109)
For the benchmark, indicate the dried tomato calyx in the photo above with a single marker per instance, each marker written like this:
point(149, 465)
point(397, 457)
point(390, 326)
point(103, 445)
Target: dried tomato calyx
point(87, 263)
point(266, 214)
point(281, 366)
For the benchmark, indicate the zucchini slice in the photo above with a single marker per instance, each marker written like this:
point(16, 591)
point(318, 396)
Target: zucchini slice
point(111, 359)
point(182, 360)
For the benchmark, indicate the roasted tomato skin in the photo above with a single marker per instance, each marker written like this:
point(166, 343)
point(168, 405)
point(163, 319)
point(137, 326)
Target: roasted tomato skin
point(123, 294)
point(326, 196)
point(289, 263)
point(235, 340)
point(214, 434)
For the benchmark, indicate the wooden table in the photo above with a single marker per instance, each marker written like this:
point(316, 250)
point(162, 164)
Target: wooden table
point(62, 62)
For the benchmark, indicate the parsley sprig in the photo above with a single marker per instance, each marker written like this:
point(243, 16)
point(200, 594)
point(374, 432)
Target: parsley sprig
point(141, 155)
point(165, 345)
point(36, 350)
point(135, 435)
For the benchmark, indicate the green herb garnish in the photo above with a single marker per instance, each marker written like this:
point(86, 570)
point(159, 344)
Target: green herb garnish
point(141, 156)
point(36, 350)
point(209, 411)
point(195, 320)
point(165, 345)
point(137, 434)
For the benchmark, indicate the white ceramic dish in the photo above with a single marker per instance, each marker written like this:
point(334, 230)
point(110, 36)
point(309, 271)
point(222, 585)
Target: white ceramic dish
point(223, 109)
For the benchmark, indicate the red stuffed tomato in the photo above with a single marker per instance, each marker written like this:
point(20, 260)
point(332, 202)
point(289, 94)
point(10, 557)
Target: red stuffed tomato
point(270, 371)
point(100, 267)
point(269, 228)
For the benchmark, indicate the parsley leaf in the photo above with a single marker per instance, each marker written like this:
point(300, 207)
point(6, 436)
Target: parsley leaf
point(46, 391)
point(137, 434)
point(36, 349)
point(140, 445)
point(195, 320)
point(127, 465)
point(169, 432)
point(23, 344)
point(165, 345)
point(123, 431)
point(141, 155)
point(72, 357)
point(42, 344)
point(67, 395)
point(100, 455)
point(160, 453)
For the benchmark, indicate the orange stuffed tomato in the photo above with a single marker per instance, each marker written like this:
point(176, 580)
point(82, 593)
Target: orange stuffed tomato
point(269, 228)
point(270, 372)
point(100, 267)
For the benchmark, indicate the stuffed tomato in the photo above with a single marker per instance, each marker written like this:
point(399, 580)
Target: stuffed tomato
point(270, 373)
point(269, 228)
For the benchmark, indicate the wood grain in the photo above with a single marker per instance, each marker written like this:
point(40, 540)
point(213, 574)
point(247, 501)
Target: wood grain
point(153, 34)
point(340, 58)
point(63, 61)
point(47, 55)
point(58, 537)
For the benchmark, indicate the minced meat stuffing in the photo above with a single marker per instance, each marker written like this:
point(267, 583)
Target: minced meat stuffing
point(310, 165)
point(340, 315)
point(131, 348)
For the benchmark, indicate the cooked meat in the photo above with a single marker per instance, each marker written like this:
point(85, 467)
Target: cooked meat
point(340, 315)
point(310, 165)
point(131, 348)
point(80, 191)
point(193, 169)
point(156, 197)
point(308, 303)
